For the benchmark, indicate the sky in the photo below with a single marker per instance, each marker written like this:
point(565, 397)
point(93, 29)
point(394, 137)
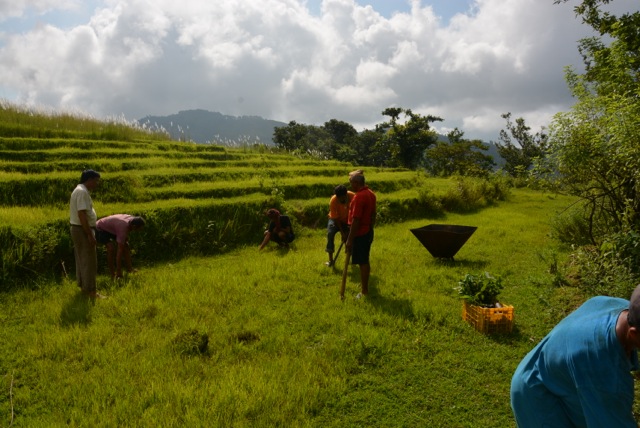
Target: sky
point(309, 61)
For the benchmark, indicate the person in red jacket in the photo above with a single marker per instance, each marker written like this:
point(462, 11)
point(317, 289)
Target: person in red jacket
point(362, 217)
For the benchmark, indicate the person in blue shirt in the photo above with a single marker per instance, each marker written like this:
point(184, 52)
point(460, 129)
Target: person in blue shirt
point(579, 375)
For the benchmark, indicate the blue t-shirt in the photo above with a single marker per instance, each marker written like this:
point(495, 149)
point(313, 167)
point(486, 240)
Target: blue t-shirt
point(579, 374)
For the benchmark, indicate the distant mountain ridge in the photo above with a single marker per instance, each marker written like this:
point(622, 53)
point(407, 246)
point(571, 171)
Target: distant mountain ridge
point(202, 126)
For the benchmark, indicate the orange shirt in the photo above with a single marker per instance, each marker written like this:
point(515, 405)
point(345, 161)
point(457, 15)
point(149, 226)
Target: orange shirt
point(363, 207)
point(338, 210)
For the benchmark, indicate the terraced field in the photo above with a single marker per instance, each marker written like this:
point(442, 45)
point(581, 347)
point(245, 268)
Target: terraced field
point(198, 199)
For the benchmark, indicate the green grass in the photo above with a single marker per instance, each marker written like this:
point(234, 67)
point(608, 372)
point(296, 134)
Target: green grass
point(283, 349)
point(20, 121)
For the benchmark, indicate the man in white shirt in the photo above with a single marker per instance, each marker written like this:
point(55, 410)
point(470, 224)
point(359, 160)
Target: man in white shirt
point(82, 218)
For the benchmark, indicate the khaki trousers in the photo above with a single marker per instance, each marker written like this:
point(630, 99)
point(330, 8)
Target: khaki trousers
point(86, 260)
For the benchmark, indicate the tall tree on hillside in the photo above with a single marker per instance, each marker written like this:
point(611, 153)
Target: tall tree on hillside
point(459, 156)
point(344, 137)
point(519, 148)
point(406, 142)
point(595, 147)
point(290, 137)
point(305, 138)
point(368, 150)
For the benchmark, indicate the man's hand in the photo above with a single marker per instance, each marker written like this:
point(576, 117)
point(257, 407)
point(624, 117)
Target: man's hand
point(92, 239)
point(84, 222)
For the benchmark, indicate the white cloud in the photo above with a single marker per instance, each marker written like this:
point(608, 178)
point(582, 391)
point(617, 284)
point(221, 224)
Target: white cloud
point(275, 59)
point(17, 8)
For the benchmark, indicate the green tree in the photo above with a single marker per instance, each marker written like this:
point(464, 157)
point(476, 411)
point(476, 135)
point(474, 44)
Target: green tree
point(595, 147)
point(311, 139)
point(613, 66)
point(519, 148)
point(459, 156)
point(368, 149)
point(290, 137)
point(344, 137)
point(406, 142)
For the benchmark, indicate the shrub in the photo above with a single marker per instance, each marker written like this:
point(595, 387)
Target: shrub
point(471, 194)
point(611, 269)
point(600, 273)
point(480, 290)
point(33, 252)
point(571, 227)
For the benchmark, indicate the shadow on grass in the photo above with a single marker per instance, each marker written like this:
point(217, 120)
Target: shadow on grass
point(471, 264)
point(283, 250)
point(392, 306)
point(512, 338)
point(77, 311)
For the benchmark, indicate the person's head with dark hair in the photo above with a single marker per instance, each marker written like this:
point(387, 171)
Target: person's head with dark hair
point(340, 190)
point(341, 193)
point(90, 178)
point(273, 213)
point(88, 174)
point(137, 223)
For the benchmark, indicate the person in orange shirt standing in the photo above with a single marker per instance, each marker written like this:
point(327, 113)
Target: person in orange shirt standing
point(362, 217)
point(338, 218)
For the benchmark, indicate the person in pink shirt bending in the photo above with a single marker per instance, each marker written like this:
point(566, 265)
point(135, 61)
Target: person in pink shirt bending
point(116, 228)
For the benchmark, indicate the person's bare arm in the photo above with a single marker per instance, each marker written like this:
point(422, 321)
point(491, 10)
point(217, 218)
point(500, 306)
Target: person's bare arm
point(265, 241)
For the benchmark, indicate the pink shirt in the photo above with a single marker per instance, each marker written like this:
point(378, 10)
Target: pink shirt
point(117, 224)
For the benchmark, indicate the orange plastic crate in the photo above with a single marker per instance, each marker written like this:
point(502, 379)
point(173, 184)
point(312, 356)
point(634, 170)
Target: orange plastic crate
point(489, 320)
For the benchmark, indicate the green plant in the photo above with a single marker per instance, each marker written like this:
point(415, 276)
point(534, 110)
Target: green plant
point(480, 290)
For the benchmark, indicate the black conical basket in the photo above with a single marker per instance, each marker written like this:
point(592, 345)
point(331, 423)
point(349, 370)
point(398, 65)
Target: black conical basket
point(443, 240)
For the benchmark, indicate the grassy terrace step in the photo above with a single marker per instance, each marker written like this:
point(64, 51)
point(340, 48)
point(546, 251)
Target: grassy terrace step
point(153, 167)
point(300, 182)
point(25, 217)
point(12, 159)
point(297, 187)
point(57, 155)
point(17, 217)
point(60, 155)
point(19, 144)
point(157, 175)
point(148, 163)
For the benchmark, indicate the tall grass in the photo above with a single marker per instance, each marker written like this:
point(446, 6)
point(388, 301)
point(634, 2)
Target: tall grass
point(41, 122)
point(283, 350)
